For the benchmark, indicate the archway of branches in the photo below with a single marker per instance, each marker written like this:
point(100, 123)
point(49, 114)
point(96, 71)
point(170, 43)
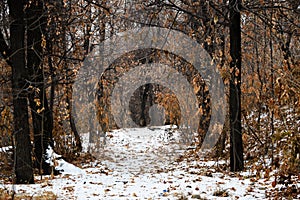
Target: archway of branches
point(150, 94)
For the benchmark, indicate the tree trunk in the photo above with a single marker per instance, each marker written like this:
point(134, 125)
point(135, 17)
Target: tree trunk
point(23, 160)
point(40, 111)
point(236, 143)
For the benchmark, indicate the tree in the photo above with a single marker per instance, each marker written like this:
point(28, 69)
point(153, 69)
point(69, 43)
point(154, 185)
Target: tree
point(28, 21)
point(23, 165)
point(40, 111)
point(236, 143)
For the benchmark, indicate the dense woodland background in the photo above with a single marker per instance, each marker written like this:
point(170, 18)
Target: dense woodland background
point(43, 44)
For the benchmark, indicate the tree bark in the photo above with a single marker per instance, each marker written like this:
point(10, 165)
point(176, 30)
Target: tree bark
point(236, 143)
point(40, 111)
point(23, 161)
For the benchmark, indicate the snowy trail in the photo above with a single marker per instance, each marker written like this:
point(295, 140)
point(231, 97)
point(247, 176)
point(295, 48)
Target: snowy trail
point(141, 164)
point(141, 150)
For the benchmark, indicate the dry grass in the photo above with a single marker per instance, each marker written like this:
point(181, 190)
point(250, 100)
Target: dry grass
point(6, 194)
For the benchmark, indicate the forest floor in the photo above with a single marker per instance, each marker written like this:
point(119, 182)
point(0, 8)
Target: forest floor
point(150, 163)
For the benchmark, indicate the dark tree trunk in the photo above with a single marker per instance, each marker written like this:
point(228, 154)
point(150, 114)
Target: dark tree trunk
point(78, 143)
point(23, 148)
point(145, 91)
point(40, 111)
point(236, 143)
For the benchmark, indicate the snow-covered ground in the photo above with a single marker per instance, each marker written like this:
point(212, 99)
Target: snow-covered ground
point(142, 164)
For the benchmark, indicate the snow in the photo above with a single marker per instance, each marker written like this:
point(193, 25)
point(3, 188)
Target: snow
point(5, 149)
point(142, 163)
